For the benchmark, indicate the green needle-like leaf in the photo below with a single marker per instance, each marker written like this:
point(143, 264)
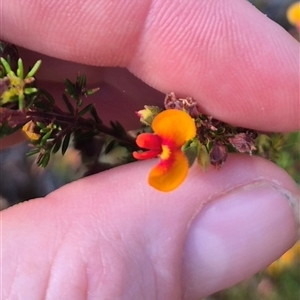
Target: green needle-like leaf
point(30, 90)
point(34, 69)
point(45, 159)
point(5, 65)
point(20, 70)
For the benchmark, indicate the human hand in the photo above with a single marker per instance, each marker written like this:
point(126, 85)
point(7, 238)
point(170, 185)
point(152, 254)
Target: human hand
point(111, 236)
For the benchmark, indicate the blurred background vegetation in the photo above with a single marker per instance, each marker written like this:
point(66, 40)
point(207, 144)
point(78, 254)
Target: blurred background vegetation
point(21, 179)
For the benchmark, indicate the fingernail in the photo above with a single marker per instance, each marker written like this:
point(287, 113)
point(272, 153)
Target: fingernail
point(238, 234)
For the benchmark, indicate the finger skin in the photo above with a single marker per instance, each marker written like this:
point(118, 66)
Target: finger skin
point(111, 236)
point(240, 66)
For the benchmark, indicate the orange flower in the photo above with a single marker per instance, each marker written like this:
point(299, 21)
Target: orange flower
point(172, 129)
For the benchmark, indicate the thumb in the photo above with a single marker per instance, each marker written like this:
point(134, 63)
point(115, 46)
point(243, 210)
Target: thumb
point(111, 236)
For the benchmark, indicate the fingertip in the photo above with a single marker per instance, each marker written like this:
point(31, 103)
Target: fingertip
point(240, 66)
point(238, 234)
point(221, 56)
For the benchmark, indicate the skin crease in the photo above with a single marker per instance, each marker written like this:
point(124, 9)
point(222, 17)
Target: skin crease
point(111, 236)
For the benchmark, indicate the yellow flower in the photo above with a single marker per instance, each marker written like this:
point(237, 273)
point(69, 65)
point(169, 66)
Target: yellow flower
point(285, 261)
point(15, 83)
point(293, 14)
point(15, 88)
point(172, 129)
point(28, 128)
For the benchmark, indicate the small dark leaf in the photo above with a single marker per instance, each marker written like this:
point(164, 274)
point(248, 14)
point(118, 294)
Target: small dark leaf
point(118, 128)
point(82, 81)
point(110, 146)
point(33, 152)
point(121, 128)
point(70, 88)
point(68, 104)
point(113, 126)
point(85, 110)
point(95, 115)
point(65, 143)
point(30, 99)
point(79, 102)
point(47, 96)
point(56, 146)
point(45, 159)
point(83, 136)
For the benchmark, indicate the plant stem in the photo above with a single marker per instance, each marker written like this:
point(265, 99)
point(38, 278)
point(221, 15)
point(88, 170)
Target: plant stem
point(69, 121)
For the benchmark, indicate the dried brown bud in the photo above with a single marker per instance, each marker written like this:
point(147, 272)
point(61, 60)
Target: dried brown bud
point(243, 142)
point(12, 117)
point(218, 154)
point(188, 104)
point(211, 123)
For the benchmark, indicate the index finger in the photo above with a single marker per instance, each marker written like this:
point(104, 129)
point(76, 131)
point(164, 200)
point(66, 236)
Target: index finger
point(241, 67)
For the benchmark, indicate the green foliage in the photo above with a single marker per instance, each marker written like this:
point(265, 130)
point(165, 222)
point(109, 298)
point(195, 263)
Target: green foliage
point(48, 127)
point(289, 155)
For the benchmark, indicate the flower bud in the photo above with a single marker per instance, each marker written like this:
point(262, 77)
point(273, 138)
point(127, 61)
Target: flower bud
point(147, 114)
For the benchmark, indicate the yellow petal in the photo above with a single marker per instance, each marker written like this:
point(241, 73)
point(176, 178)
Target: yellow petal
point(168, 175)
point(28, 128)
point(293, 14)
point(174, 125)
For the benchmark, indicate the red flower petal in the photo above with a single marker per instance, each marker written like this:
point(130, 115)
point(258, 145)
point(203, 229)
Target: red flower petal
point(148, 141)
point(146, 154)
